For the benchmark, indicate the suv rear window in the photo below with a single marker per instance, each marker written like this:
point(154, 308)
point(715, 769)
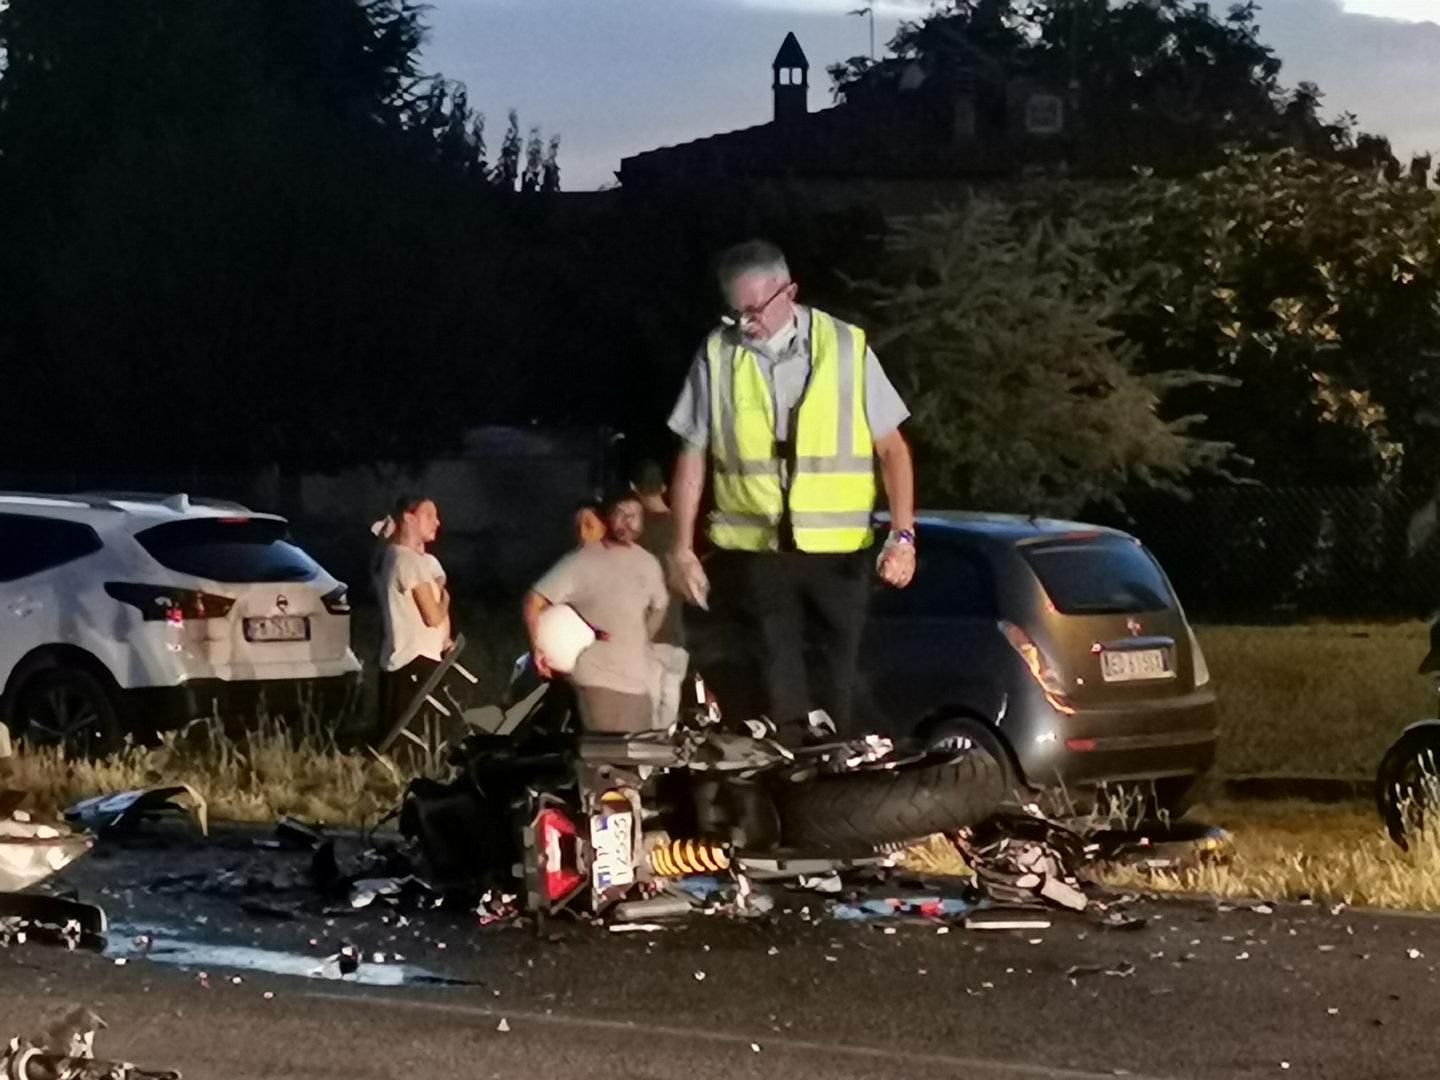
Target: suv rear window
point(1106, 577)
point(236, 550)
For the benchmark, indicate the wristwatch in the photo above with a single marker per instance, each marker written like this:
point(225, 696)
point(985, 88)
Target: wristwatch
point(903, 536)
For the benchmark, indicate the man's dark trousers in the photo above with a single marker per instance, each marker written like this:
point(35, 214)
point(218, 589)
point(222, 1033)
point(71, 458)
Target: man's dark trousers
point(794, 599)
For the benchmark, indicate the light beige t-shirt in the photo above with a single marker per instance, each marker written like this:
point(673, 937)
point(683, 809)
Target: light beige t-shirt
point(406, 635)
point(615, 588)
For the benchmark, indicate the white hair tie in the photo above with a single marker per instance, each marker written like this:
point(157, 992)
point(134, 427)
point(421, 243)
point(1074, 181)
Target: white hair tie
point(384, 528)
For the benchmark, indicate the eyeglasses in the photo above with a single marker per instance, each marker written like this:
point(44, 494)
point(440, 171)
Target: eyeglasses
point(740, 316)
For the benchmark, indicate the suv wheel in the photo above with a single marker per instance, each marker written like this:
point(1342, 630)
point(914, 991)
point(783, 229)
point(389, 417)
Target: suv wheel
point(68, 708)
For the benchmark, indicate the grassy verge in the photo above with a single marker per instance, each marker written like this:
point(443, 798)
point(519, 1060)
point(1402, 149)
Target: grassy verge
point(1279, 851)
point(1294, 851)
point(1316, 700)
point(261, 776)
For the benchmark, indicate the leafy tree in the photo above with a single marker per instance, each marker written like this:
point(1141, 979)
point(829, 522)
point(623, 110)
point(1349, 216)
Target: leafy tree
point(507, 169)
point(1167, 84)
point(1025, 397)
point(550, 171)
point(1317, 285)
point(249, 239)
point(534, 162)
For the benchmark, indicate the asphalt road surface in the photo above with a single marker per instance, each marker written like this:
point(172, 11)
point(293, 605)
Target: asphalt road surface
point(1195, 992)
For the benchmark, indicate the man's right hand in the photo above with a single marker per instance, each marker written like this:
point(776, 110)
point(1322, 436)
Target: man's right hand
point(687, 577)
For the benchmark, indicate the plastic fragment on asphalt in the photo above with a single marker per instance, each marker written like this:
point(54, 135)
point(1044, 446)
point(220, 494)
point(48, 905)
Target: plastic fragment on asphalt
point(635, 928)
point(268, 995)
point(754, 1048)
point(504, 1025)
point(699, 976)
point(773, 951)
point(106, 811)
point(1414, 954)
point(1006, 920)
point(1079, 971)
point(1058, 892)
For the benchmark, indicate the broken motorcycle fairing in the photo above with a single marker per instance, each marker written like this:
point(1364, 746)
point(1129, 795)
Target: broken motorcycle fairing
point(605, 818)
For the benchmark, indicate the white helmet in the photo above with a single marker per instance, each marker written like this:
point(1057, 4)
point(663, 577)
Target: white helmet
point(561, 635)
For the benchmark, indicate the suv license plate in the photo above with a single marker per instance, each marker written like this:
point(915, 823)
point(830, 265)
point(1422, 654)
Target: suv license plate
point(1131, 665)
point(278, 628)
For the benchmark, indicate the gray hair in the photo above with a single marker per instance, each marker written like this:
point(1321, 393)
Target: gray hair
point(753, 256)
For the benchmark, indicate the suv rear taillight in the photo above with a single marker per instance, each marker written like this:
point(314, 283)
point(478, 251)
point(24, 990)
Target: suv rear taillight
point(1041, 670)
point(161, 603)
point(337, 601)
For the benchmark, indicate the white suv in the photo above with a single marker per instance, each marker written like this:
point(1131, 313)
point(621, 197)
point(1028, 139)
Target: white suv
point(124, 612)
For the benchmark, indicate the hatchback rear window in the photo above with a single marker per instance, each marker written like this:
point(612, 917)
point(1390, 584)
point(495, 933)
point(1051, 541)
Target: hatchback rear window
point(1110, 577)
point(237, 550)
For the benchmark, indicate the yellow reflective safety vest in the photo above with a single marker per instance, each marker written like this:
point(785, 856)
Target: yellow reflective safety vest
point(831, 496)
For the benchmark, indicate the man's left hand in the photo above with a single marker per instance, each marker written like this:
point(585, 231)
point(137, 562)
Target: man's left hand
point(897, 563)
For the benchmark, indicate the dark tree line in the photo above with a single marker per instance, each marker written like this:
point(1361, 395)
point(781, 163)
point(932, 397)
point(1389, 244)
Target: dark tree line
point(244, 232)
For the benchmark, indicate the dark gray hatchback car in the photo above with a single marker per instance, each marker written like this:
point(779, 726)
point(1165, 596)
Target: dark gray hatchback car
point(1060, 643)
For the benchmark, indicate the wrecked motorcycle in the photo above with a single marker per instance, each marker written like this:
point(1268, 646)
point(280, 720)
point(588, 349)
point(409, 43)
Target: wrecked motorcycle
point(572, 819)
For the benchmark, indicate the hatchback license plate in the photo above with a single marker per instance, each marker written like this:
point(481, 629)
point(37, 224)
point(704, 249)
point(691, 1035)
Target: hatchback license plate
point(278, 628)
point(1131, 665)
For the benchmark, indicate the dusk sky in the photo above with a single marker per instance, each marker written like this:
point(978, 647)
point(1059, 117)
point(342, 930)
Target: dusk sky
point(616, 77)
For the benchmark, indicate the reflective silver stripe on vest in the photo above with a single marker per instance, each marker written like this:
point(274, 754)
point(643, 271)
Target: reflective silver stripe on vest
point(818, 519)
point(845, 354)
point(830, 519)
point(741, 521)
point(812, 465)
point(725, 440)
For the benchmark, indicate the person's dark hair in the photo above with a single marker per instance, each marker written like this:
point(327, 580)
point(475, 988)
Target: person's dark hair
point(405, 504)
point(385, 529)
point(648, 478)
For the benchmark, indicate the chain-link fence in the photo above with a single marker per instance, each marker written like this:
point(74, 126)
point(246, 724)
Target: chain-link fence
point(1259, 553)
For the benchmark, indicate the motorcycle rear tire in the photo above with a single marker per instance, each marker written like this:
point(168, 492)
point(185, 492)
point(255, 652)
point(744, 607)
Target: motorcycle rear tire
point(855, 813)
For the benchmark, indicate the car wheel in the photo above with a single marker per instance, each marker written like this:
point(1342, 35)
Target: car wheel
point(69, 708)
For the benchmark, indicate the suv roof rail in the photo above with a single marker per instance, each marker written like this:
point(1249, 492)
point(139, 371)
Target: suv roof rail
point(175, 500)
point(92, 499)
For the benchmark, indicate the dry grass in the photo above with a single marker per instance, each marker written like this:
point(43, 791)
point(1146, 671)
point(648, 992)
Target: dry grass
point(1317, 700)
point(1279, 851)
point(1291, 851)
point(260, 776)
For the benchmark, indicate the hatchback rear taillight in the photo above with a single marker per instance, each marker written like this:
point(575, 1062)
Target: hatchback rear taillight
point(160, 603)
point(1197, 659)
point(337, 601)
point(1041, 670)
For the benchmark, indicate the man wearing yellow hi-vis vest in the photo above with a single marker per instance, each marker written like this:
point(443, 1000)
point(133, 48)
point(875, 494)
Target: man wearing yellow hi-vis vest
point(790, 408)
